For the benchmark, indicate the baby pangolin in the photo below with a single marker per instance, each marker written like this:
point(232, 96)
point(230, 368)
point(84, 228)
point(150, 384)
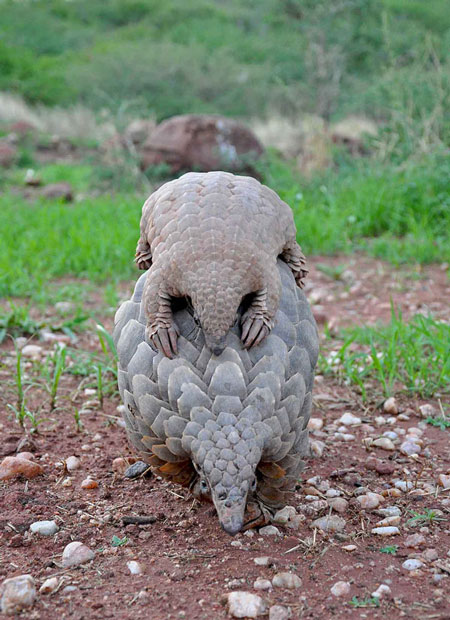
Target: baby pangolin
point(214, 239)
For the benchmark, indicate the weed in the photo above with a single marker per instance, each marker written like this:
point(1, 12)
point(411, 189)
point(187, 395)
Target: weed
point(59, 364)
point(119, 542)
point(390, 549)
point(78, 422)
point(16, 321)
point(333, 271)
point(371, 601)
point(428, 517)
point(100, 385)
point(440, 421)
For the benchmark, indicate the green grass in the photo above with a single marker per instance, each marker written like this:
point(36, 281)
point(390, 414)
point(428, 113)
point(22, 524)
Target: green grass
point(439, 422)
point(427, 517)
point(412, 355)
point(390, 549)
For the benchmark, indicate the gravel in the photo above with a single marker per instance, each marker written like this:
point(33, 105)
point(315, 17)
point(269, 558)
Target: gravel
point(49, 585)
point(412, 564)
point(76, 553)
point(262, 584)
point(385, 531)
point(245, 605)
point(44, 528)
point(287, 580)
point(331, 523)
point(340, 588)
point(18, 594)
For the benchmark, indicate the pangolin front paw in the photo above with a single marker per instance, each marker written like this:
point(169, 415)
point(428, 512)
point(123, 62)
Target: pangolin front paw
point(164, 339)
point(254, 330)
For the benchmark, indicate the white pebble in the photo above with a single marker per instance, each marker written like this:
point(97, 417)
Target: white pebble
point(388, 521)
point(44, 528)
point(390, 406)
point(134, 567)
point(409, 448)
point(269, 530)
point(316, 448)
point(340, 588)
point(369, 501)
point(331, 523)
point(278, 612)
point(390, 435)
point(348, 419)
point(427, 411)
point(315, 424)
point(412, 564)
point(282, 516)
point(287, 580)
point(389, 511)
point(33, 351)
point(72, 463)
point(382, 590)
point(49, 585)
point(245, 605)
point(384, 443)
point(403, 485)
point(262, 584)
point(262, 561)
point(444, 481)
point(76, 553)
point(18, 593)
point(385, 531)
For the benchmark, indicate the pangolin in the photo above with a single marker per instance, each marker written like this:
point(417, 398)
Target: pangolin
point(230, 423)
point(215, 238)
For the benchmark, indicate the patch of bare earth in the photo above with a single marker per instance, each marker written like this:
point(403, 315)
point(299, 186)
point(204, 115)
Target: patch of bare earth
point(188, 564)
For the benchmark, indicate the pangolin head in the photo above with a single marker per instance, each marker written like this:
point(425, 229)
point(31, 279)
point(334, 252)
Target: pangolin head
point(225, 454)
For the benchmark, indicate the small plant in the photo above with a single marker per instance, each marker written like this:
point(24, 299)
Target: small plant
point(78, 422)
point(371, 601)
point(119, 542)
point(428, 517)
point(332, 271)
point(99, 385)
point(16, 321)
point(440, 421)
point(389, 549)
point(59, 364)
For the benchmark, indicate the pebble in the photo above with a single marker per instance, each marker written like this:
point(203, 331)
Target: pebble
point(345, 436)
point(89, 483)
point(385, 531)
point(389, 511)
point(49, 585)
point(18, 593)
point(28, 456)
point(76, 553)
point(409, 448)
point(412, 564)
point(340, 588)
point(348, 419)
point(284, 515)
point(32, 351)
point(12, 466)
point(134, 567)
point(380, 466)
point(269, 530)
point(262, 584)
point(137, 469)
point(67, 482)
point(395, 520)
point(287, 580)
point(278, 612)
point(427, 411)
point(382, 590)
point(390, 406)
point(316, 448)
point(390, 435)
point(349, 548)
point(369, 501)
point(384, 443)
point(331, 523)
point(44, 528)
point(72, 463)
point(444, 480)
point(315, 424)
point(245, 605)
point(119, 464)
point(338, 504)
point(262, 561)
point(403, 485)
point(415, 540)
point(392, 492)
point(430, 555)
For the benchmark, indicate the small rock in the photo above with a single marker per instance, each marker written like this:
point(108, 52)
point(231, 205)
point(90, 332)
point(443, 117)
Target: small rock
point(415, 540)
point(385, 531)
point(262, 561)
point(316, 448)
point(388, 521)
point(12, 466)
point(262, 584)
point(138, 469)
point(119, 464)
point(331, 523)
point(382, 590)
point(403, 485)
point(444, 480)
point(49, 585)
point(392, 492)
point(315, 424)
point(278, 612)
point(89, 483)
point(44, 528)
point(380, 466)
point(18, 593)
point(32, 351)
point(384, 443)
point(430, 555)
point(72, 463)
point(412, 564)
point(390, 406)
point(282, 516)
point(134, 567)
point(340, 588)
point(287, 580)
point(428, 411)
point(349, 548)
point(409, 448)
point(76, 553)
point(338, 504)
point(269, 530)
point(28, 456)
point(348, 419)
point(369, 501)
point(245, 605)
point(389, 511)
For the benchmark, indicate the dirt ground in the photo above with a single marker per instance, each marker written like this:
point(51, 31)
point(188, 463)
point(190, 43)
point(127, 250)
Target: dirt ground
point(189, 564)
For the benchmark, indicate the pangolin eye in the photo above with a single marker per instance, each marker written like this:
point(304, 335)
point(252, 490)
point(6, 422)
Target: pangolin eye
point(253, 485)
point(222, 495)
point(203, 486)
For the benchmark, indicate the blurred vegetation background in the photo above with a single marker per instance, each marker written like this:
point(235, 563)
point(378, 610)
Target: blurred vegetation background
point(85, 68)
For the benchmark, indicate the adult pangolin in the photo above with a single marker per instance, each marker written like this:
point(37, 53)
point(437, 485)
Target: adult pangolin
point(215, 238)
point(226, 412)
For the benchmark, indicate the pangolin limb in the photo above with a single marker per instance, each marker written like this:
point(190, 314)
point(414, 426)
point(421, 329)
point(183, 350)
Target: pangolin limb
point(215, 238)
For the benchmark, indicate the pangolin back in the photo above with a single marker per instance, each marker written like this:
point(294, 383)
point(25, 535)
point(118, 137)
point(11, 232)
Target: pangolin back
point(233, 425)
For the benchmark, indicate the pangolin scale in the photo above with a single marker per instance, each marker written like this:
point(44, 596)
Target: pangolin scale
point(232, 425)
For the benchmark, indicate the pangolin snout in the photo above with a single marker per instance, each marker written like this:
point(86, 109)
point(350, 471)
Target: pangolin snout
point(216, 344)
